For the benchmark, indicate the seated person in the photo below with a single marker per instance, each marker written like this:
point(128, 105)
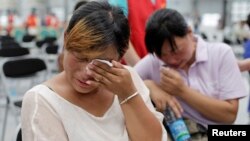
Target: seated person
point(201, 81)
point(91, 100)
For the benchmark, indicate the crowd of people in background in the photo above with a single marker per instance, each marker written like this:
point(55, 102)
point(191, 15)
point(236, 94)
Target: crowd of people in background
point(13, 25)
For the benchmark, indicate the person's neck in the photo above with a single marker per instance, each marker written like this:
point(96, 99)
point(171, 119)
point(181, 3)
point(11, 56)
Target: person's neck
point(90, 95)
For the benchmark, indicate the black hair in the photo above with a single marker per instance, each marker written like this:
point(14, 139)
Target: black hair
point(79, 3)
point(248, 20)
point(164, 24)
point(106, 21)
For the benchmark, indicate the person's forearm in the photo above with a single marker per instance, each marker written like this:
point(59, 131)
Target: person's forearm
point(162, 99)
point(141, 124)
point(211, 108)
point(244, 65)
point(150, 84)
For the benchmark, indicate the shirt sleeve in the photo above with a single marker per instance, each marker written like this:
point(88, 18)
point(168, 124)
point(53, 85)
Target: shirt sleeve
point(231, 84)
point(39, 121)
point(144, 92)
point(147, 67)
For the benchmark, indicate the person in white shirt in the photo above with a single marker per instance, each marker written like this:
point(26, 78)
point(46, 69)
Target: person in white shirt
point(90, 100)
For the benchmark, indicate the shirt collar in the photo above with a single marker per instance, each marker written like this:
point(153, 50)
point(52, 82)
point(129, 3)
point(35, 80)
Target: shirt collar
point(201, 53)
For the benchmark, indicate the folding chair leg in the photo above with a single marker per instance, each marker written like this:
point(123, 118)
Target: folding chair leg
point(5, 118)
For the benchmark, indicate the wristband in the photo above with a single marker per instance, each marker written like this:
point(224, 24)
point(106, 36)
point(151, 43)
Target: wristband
point(129, 97)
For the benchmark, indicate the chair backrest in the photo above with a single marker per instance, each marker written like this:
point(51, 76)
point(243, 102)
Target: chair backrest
point(50, 40)
point(10, 44)
point(13, 52)
point(40, 43)
point(52, 49)
point(20, 74)
point(28, 38)
point(6, 38)
point(18, 133)
point(23, 67)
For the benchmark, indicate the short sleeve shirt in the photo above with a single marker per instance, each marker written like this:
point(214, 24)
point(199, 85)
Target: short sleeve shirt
point(214, 73)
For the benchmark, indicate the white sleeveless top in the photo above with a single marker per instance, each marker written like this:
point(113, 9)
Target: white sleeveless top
point(42, 106)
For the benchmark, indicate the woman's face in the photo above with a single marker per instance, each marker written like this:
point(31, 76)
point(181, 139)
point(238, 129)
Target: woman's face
point(75, 66)
point(183, 56)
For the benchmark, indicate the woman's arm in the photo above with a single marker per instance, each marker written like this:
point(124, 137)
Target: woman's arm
point(162, 99)
point(224, 111)
point(141, 123)
point(244, 65)
point(141, 87)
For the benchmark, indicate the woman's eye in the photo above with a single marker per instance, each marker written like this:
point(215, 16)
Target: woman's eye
point(83, 59)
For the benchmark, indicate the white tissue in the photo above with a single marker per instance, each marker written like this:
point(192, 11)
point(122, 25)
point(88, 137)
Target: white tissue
point(105, 61)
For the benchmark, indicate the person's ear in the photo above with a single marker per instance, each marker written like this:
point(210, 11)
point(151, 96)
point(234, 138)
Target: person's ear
point(189, 30)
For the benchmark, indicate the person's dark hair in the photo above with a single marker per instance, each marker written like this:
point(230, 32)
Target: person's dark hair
point(164, 24)
point(79, 3)
point(248, 20)
point(96, 26)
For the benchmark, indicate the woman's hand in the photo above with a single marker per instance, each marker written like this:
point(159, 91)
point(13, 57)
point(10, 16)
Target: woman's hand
point(116, 79)
point(162, 99)
point(172, 82)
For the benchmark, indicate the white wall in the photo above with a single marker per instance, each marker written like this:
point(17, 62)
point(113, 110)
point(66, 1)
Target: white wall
point(203, 6)
point(6, 4)
point(210, 6)
point(183, 6)
point(27, 5)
